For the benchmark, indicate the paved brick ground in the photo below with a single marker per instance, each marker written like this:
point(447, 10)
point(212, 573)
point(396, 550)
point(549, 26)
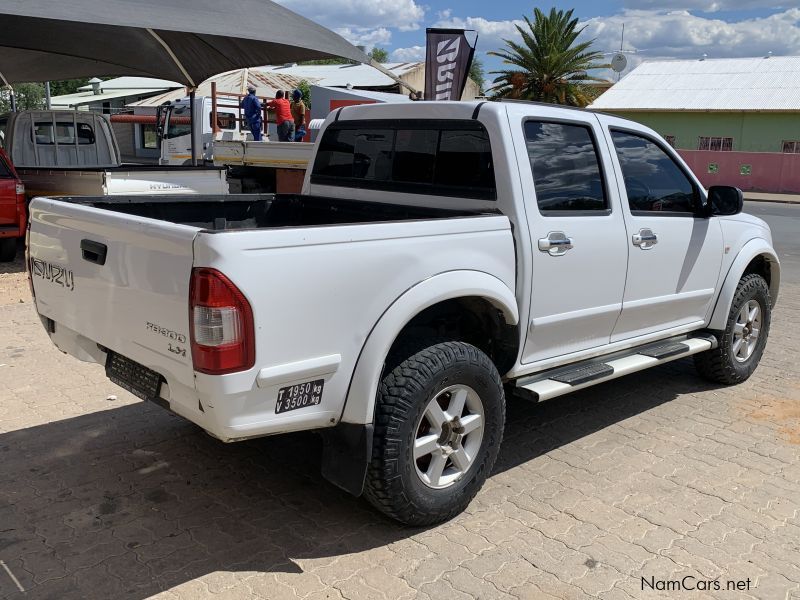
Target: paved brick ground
point(658, 475)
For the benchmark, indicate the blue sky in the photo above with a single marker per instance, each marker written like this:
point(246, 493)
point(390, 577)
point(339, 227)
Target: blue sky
point(653, 28)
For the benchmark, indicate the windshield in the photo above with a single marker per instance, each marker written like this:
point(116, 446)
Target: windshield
point(178, 130)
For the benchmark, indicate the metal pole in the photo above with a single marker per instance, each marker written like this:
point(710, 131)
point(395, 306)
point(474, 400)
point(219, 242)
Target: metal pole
point(11, 98)
point(47, 100)
point(214, 123)
point(191, 120)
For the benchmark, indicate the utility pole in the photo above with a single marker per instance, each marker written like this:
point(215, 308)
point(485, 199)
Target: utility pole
point(47, 95)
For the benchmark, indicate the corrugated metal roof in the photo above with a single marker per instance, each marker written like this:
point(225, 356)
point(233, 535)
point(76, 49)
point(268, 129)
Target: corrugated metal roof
point(735, 84)
point(82, 98)
point(132, 83)
point(233, 82)
point(358, 75)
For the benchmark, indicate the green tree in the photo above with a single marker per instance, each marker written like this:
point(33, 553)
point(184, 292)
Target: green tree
point(476, 73)
point(67, 86)
point(380, 55)
point(29, 96)
point(550, 65)
point(305, 88)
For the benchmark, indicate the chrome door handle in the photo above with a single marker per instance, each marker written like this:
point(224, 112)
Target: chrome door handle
point(556, 243)
point(645, 239)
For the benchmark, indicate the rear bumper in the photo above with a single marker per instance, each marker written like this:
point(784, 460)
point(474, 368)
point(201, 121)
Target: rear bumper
point(225, 406)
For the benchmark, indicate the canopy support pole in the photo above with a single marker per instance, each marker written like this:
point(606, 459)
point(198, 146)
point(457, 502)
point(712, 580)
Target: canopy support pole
point(192, 88)
point(193, 136)
point(12, 98)
point(376, 65)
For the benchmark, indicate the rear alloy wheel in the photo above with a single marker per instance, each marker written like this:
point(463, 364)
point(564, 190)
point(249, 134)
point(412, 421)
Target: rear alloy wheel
point(439, 422)
point(449, 436)
point(742, 342)
point(8, 249)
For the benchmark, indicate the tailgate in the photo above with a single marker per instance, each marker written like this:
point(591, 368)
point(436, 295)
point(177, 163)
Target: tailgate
point(134, 300)
point(167, 181)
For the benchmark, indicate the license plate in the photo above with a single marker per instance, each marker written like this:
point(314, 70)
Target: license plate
point(299, 396)
point(130, 375)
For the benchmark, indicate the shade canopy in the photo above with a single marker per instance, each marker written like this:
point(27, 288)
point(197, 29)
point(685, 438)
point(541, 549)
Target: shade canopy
point(180, 40)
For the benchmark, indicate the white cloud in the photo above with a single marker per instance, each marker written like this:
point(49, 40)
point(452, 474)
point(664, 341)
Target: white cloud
point(490, 33)
point(663, 34)
point(405, 15)
point(703, 5)
point(362, 36)
point(412, 54)
point(679, 34)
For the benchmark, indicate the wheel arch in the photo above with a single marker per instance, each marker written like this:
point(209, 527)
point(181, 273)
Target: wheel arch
point(756, 256)
point(470, 289)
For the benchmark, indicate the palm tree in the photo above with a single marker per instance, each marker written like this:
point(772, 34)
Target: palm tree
point(551, 66)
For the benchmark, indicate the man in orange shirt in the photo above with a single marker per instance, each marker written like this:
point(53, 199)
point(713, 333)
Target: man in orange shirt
point(283, 117)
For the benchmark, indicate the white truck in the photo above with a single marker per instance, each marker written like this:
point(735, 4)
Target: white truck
point(75, 153)
point(441, 256)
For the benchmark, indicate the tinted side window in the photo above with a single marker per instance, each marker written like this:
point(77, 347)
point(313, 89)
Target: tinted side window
point(653, 182)
point(566, 168)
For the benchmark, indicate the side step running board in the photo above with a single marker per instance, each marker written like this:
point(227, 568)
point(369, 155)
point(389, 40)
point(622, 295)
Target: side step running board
point(556, 382)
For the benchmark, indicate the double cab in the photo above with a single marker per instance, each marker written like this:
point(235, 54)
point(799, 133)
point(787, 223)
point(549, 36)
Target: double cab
point(441, 256)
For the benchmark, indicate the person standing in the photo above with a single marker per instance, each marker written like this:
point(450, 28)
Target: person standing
point(283, 117)
point(298, 115)
point(252, 112)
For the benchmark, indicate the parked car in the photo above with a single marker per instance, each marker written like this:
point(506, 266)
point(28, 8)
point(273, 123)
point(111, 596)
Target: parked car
point(441, 256)
point(62, 153)
point(12, 209)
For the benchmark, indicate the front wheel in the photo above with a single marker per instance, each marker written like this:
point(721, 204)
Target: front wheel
point(439, 422)
point(8, 249)
point(742, 342)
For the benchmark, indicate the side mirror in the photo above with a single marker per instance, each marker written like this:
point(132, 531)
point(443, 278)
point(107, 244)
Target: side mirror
point(725, 200)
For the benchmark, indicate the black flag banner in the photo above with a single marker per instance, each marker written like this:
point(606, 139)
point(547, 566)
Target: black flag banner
point(448, 58)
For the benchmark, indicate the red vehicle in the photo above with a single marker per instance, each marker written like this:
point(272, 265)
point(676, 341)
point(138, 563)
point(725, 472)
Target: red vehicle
point(12, 209)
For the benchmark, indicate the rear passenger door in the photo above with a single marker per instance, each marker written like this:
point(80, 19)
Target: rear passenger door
point(675, 251)
point(578, 235)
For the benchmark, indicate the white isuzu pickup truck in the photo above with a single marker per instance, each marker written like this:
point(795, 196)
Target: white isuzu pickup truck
point(441, 256)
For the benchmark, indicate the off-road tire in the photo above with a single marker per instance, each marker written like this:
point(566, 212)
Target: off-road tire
point(719, 365)
point(8, 249)
point(392, 484)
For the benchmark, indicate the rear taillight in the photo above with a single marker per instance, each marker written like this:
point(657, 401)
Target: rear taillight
point(20, 189)
point(222, 332)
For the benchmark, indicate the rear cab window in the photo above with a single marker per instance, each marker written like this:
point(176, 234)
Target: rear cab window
point(64, 133)
point(438, 158)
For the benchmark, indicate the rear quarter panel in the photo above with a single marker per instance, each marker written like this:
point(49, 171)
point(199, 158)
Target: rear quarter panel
point(317, 293)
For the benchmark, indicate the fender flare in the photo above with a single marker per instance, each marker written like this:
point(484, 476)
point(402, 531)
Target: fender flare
point(752, 249)
point(360, 401)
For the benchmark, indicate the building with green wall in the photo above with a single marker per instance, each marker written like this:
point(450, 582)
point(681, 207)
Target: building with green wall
point(752, 102)
point(750, 131)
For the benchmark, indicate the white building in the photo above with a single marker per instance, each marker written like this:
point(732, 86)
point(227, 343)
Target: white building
point(113, 95)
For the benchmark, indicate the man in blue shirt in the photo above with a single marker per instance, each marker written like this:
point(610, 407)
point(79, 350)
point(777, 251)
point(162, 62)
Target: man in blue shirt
point(252, 112)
